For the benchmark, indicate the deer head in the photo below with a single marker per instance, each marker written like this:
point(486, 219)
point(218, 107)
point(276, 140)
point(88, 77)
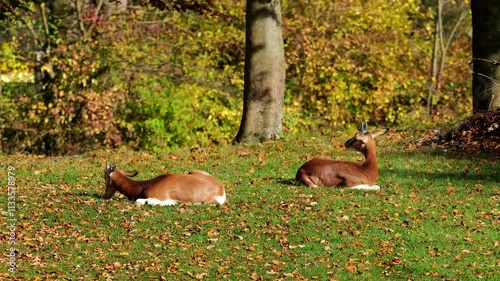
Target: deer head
point(363, 139)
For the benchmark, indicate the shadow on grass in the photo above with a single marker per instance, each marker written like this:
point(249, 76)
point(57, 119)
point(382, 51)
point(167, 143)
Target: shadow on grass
point(286, 181)
point(438, 165)
point(441, 176)
point(456, 153)
point(89, 195)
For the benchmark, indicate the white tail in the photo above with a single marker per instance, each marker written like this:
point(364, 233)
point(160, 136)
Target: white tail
point(324, 171)
point(168, 189)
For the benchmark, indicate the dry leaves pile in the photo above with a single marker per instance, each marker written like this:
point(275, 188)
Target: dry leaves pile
point(480, 132)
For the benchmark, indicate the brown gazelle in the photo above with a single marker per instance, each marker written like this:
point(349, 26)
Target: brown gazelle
point(168, 189)
point(324, 171)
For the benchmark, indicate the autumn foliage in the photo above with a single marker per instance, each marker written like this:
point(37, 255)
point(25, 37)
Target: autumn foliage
point(161, 79)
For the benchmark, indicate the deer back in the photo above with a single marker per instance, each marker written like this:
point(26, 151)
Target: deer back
point(196, 188)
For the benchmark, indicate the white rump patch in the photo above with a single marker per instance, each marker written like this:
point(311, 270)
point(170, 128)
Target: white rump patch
point(141, 201)
point(365, 187)
point(221, 199)
point(154, 202)
point(169, 202)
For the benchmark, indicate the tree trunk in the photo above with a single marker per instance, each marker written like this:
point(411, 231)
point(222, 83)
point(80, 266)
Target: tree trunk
point(264, 73)
point(486, 55)
point(435, 58)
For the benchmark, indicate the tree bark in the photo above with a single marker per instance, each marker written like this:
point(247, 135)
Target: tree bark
point(264, 73)
point(486, 55)
point(435, 58)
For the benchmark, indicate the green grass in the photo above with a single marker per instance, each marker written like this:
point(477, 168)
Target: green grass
point(436, 217)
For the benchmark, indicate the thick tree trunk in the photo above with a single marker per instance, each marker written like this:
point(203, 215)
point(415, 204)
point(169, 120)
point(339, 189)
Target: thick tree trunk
point(264, 73)
point(486, 55)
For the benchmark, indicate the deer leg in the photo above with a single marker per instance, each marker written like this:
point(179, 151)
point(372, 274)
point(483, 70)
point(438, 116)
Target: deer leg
point(307, 181)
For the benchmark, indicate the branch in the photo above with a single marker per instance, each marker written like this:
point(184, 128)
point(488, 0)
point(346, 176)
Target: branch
point(97, 10)
point(197, 6)
point(454, 30)
point(33, 32)
point(46, 29)
point(440, 23)
point(493, 62)
point(446, 46)
point(80, 19)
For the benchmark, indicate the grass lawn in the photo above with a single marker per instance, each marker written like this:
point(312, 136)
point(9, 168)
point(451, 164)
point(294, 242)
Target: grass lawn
point(436, 217)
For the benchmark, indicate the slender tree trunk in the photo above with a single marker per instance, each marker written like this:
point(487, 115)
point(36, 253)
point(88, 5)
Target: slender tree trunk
point(264, 73)
point(435, 60)
point(440, 50)
point(486, 55)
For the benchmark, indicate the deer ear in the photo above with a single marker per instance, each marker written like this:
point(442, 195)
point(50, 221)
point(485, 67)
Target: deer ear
point(379, 132)
point(130, 173)
point(107, 164)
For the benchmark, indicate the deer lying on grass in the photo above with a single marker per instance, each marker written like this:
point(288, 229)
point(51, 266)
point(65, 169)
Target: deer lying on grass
point(165, 190)
point(324, 171)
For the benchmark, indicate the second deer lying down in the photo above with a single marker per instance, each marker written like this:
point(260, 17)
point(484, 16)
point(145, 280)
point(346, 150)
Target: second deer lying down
point(324, 171)
point(165, 190)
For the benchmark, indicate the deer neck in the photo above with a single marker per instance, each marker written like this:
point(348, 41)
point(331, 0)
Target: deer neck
point(370, 164)
point(127, 186)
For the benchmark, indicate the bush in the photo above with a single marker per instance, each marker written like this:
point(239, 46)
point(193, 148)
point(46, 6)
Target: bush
point(162, 80)
point(173, 117)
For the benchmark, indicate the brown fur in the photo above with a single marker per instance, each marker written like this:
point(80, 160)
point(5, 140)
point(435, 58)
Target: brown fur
point(324, 171)
point(197, 186)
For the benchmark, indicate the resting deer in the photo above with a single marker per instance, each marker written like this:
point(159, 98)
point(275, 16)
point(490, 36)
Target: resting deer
point(165, 190)
point(324, 171)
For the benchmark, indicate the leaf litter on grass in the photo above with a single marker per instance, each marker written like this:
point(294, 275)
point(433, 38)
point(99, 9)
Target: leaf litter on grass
point(270, 228)
point(480, 132)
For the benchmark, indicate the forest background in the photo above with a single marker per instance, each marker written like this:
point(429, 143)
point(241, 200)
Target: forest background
point(159, 80)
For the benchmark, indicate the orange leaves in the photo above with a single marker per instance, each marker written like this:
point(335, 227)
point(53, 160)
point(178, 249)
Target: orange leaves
point(385, 251)
point(459, 256)
point(198, 276)
point(256, 277)
point(212, 233)
point(356, 266)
